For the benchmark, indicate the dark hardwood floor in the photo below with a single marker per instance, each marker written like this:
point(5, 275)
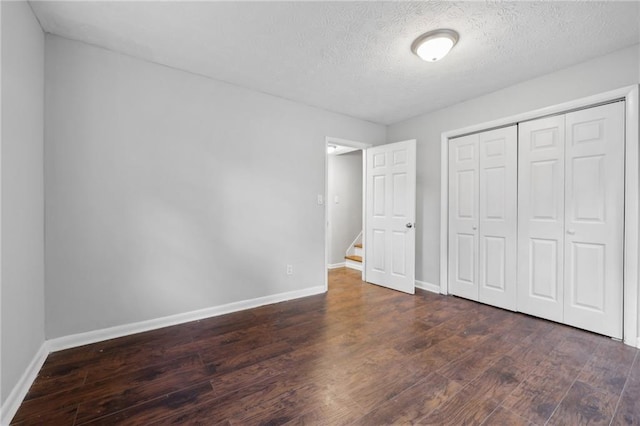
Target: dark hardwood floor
point(360, 354)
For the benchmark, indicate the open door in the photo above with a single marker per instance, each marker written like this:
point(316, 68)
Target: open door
point(390, 211)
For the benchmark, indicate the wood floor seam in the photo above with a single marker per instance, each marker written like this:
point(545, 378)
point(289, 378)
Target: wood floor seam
point(491, 414)
point(567, 392)
point(633, 364)
point(359, 354)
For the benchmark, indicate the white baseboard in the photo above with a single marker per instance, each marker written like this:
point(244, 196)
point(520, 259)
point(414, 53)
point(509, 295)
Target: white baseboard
point(19, 391)
point(335, 265)
point(353, 265)
point(634, 343)
point(428, 286)
point(89, 337)
point(17, 395)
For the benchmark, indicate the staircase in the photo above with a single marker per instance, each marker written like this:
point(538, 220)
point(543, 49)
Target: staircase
point(355, 254)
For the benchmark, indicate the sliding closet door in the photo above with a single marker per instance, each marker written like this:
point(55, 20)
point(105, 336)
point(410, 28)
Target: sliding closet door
point(463, 216)
point(541, 217)
point(498, 217)
point(594, 212)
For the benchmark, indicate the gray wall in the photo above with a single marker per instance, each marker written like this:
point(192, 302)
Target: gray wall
point(609, 72)
point(22, 191)
point(168, 192)
point(344, 174)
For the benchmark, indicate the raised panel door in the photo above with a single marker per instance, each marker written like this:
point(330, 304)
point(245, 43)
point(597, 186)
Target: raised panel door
point(498, 217)
point(541, 217)
point(594, 219)
point(390, 216)
point(463, 216)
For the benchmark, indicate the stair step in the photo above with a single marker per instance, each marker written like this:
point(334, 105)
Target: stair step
point(359, 245)
point(354, 258)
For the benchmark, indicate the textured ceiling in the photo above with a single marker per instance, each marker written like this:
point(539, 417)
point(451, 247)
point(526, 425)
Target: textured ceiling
point(353, 57)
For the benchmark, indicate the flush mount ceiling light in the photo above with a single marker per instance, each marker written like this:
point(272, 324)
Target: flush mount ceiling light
point(434, 45)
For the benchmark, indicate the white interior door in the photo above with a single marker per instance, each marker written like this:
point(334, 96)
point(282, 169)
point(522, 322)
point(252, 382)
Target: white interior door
point(463, 216)
point(390, 215)
point(594, 219)
point(541, 217)
point(498, 176)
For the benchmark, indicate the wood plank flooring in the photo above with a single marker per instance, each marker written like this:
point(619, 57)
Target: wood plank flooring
point(360, 354)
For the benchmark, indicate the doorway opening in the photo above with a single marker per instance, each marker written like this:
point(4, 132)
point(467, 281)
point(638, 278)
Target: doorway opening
point(344, 204)
point(387, 245)
point(344, 207)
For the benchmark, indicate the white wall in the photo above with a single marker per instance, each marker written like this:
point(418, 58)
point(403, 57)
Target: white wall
point(609, 72)
point(22, 192)
point(167, 192)
point(344, 174)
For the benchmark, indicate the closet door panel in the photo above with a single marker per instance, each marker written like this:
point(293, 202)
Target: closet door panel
point(541, 217)
point(498, 217)
point(594, 218)
point(463, 217)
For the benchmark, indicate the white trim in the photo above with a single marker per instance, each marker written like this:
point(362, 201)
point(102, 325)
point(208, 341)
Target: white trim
point(352, 247)
point(631, 217)
point(89, 337)
point(433, 288)
point(352, 264)
point(346, 142)
point(327, 234)
point(336, 265)
point(444, 214)
point(632, 190)
point(19, 391)
point(363, 276)
point(541, 112)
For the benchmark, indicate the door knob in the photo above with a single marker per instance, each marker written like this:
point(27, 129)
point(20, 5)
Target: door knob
point(571, 231)
point(474, 227)
point(409, 225)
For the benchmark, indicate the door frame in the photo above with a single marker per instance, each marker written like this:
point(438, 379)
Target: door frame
point(630, 94)
point(330, 140)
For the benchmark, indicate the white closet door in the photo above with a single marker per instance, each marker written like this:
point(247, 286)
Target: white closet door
point(463, 216)
point(541, 217)
point(594, 218)
point(498, 155)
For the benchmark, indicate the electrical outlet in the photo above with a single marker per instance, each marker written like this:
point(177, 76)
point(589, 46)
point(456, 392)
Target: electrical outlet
point(289, 269)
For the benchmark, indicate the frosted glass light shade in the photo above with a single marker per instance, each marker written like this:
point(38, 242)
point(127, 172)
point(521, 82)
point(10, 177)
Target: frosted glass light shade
point(434, 45)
